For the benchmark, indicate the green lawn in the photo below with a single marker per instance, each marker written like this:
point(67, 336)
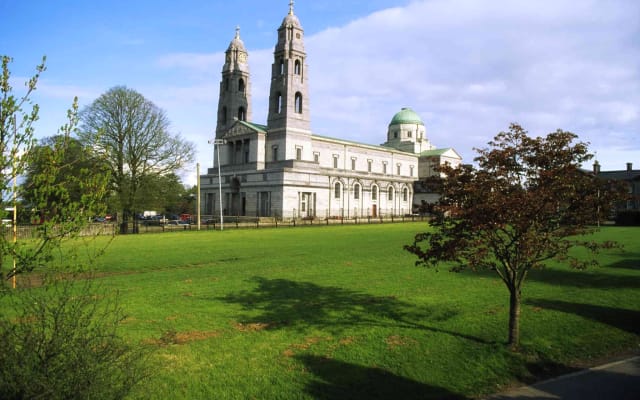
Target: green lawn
point(341, 312)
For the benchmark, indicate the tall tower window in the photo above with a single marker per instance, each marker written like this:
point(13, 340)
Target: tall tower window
point(242, 114)
point(297, 69)
point(241, 85)
point(223, 115)
point(298, 103)
point(226, 84)
point(281, 67)
point(337, 188)
point(356, 192)
point(279, 102)
point(390, 193)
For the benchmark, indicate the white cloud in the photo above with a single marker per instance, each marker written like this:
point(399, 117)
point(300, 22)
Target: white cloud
point(468, 67)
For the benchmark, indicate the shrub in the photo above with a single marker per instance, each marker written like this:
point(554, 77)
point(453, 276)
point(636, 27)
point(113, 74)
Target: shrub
point(60, 342)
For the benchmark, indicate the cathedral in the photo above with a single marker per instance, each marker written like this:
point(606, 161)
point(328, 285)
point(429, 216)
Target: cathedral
point(284, 170)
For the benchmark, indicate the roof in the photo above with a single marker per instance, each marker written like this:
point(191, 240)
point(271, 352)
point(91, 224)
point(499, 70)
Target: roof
point(237, 43)
point(439, 152)
point(622, 175)
point(406, 116)
point(378, 147)
point(258, 127)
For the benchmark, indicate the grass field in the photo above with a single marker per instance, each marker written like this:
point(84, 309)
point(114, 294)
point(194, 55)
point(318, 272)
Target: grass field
point(341, 312)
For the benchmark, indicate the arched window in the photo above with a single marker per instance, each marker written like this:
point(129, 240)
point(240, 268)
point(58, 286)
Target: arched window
point(242, 114)
point(337, 189)
point(298, 103)
point(390, 193)
point(405, 194)
point(241, 85)
point(297, 68)
point(356, 192)
point(223, 115)
point(278, 102)
point(374, 192)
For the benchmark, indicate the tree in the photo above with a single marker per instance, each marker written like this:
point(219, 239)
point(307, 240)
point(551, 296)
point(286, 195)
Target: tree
point(78, 164)
point(133, 136)
point(16, 138)
point(527, 202)
point(161, 193)
point(57, 340)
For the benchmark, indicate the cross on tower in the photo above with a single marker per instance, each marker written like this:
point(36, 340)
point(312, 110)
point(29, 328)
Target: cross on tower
point(290, 7)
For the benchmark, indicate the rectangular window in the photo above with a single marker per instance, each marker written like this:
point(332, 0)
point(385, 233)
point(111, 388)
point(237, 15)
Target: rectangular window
point(411, 170)
point(298, 153)
point(237, 158)
point(409, 133)
point(316, 157)
point(369, 163)
point(353, 163)
point(384, 167)
point(398, 169)
point(274, 152)
point(335, 161)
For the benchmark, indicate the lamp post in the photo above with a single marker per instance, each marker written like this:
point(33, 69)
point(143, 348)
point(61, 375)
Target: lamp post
point(218, 142)
point(198, 195)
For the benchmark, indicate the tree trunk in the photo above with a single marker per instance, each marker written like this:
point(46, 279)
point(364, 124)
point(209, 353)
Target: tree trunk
point(514, 318)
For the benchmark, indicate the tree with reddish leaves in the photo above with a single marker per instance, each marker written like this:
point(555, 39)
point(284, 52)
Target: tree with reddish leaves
point(527, 202)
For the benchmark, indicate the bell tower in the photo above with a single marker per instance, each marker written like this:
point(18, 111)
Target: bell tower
point(235, 88)
point(289, 94)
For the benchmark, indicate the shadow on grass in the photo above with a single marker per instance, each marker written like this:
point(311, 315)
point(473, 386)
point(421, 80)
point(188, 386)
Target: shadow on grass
point(628, 320)
point(340, 380)
point(300, 305)
point(583, 279)
point(628, 263)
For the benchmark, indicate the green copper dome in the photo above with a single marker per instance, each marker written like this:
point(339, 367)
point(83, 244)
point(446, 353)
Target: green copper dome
point(406, 116)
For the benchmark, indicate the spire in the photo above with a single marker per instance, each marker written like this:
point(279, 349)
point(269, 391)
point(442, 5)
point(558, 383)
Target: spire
point(237, 31)
point(290, 7)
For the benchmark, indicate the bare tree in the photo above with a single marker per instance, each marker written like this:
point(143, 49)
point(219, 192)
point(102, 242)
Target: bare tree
point(133, 136)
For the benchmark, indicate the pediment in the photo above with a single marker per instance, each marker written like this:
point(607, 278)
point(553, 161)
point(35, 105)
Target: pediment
point(240, 128)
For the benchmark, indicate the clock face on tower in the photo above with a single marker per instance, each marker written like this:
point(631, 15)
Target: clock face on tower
point(242, 57)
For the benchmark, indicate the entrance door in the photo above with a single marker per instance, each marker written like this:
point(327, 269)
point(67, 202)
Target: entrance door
point(307, 205)
point(374, 211)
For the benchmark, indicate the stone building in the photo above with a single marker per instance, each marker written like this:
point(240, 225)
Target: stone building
point(283, 170)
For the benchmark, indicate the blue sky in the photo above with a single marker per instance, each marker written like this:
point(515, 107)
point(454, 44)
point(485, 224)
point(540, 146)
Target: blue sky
point(468, 67)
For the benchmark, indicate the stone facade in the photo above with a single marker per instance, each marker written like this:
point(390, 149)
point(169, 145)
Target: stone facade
point(282, 170)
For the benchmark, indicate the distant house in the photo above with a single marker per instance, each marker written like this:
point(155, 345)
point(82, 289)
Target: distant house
point(628, 175)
